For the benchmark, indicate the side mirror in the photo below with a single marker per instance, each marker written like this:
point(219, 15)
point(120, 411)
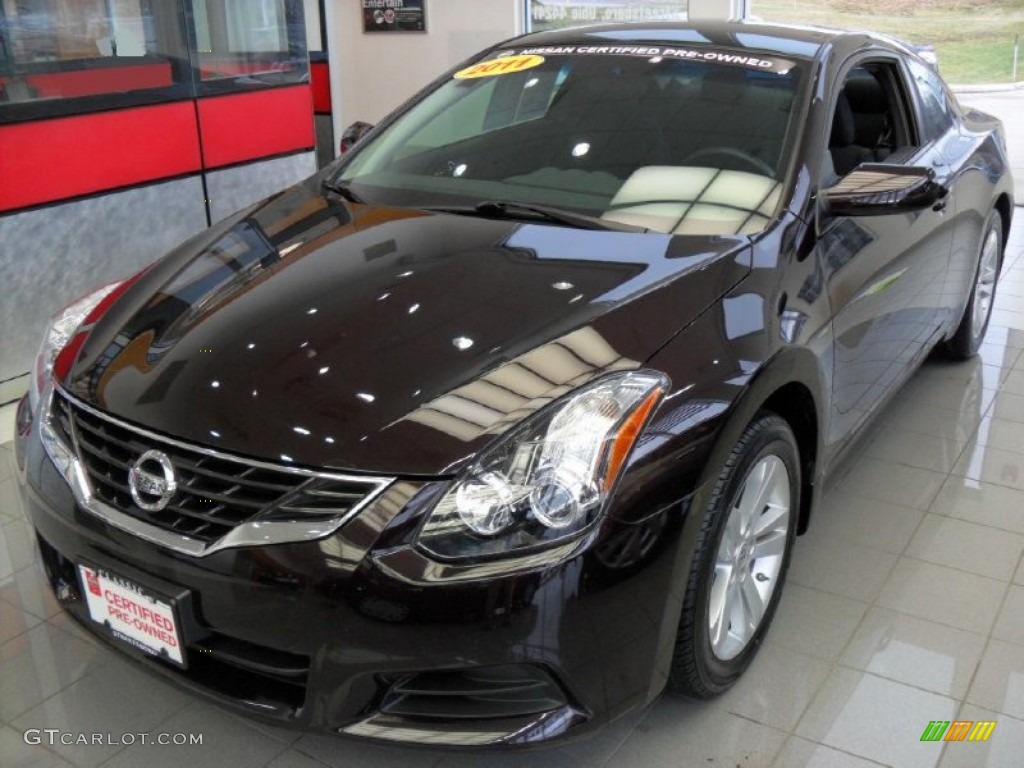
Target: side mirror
point(877, 188)
point(351, 136)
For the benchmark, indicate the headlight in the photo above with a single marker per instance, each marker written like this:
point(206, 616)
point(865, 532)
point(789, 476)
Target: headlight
point(59, 332)
point(548, 480)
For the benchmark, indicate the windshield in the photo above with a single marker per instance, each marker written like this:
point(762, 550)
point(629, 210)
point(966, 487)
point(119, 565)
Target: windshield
point(683, 141)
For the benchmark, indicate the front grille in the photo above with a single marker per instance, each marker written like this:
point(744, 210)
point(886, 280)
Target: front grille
point(215, 493)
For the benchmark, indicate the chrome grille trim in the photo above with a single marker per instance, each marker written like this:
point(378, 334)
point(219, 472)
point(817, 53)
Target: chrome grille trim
point(253, 532)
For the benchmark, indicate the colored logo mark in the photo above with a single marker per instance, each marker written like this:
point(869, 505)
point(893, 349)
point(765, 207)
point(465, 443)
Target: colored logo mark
point(958, 730)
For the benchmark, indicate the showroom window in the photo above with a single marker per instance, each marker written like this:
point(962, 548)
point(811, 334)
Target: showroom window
point(242, 43)
point(552, 14)
point(52, 51)
point(971, 42)
point(64, 57)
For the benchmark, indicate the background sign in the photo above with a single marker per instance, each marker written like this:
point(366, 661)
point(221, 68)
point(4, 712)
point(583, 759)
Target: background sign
point(394, 16)
point(552, 14)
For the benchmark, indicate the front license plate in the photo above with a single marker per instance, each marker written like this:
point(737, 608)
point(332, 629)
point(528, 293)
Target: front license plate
point(131, 614)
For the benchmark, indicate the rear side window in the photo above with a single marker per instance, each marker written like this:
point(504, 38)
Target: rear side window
point(936, 115)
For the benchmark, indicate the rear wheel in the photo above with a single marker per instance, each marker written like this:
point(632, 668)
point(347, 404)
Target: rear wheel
point(971, 332)
point(740, 560)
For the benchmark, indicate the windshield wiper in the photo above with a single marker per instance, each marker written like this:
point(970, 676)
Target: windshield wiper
point(342, 188)
point(501, 209)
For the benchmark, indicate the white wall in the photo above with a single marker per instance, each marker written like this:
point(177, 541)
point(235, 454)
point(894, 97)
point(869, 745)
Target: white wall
point(716, 10)
point(380, 70)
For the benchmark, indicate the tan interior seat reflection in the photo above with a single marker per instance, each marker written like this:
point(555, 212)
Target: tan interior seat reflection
point(685, 200)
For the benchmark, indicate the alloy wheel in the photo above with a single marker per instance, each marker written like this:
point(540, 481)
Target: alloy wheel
point(749, 558)
point(985, 286)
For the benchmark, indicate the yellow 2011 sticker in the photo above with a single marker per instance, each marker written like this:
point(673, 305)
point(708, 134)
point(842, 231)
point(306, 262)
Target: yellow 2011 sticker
point(504, 66)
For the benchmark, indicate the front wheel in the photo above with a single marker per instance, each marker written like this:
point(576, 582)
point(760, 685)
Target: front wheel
point(971, 332)
point(740, 560)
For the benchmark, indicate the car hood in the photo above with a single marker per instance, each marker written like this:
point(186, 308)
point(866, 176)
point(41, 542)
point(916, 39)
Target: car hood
point(328, 334)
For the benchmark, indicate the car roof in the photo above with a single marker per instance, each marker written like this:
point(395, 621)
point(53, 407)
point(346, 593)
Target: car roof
point(794, 41)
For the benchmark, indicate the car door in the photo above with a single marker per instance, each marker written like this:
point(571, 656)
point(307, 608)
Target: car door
point(885, 272)
point(940, 127)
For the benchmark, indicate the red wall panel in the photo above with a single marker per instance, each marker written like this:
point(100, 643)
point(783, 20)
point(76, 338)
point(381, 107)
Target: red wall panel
point(247, 126)
point(64, 157)
point(320, 78)
point(86, 82)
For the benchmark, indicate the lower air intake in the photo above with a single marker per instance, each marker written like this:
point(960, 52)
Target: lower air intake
point(474, 694)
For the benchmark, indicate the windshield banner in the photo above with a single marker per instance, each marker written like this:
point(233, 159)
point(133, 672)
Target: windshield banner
point(657, 54)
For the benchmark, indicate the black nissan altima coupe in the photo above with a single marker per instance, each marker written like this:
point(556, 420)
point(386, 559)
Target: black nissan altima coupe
point(507, 421)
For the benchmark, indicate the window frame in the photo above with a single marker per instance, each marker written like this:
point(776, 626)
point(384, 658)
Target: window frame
point(896, 86)
point(921, 104)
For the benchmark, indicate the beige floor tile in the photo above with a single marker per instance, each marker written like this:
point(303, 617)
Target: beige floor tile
point(942, 422)
point(984, 503)
point(866, 522)
point(997, 355)
point(1010, 300)
point(11, 507)
point(914, 651)
point(900, 485)
point(29, 590)
point(15, 753)
point(684, 734)
point(947, 596)
point(1008, 318)
point(1004, 747)
point(814, 622)
point(875, 718)
point(292, 758)
point(65, 623)
point(999, 433)
point(17, 547)
point(8, 417)
point(1014, 383)
point(358, 753)
point(14, 621)
point(1003, 336)
point(776, 688)
point(836, 566)
point(119, 699)
point(992, 465)
point(40, 662)
point(592, 751)
point(967, 546)
point(1010, 622)
point(999, 682)
point(1008, 406)
point(942, 393)
point(978, 371)
point(801, 753)
point(235, 743)
point(915, 450)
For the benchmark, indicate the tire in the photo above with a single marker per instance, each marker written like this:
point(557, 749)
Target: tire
point(964, 344)
point(709, 657)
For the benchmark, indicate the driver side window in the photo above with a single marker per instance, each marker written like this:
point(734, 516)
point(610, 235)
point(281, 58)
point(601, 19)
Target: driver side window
point(870, 121)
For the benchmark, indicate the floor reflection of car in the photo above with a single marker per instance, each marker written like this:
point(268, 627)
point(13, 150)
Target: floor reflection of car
point(507, 421)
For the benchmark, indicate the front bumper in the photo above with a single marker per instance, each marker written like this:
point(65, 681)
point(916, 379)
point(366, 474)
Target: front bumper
point(358, 633)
